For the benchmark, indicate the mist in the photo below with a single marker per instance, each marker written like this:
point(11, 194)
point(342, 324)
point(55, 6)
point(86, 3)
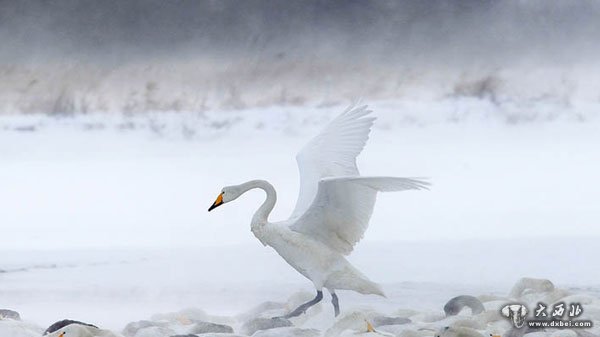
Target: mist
point(66, 57)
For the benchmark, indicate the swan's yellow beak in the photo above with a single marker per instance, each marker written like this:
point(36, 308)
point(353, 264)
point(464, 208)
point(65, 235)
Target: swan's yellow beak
point(217, 202)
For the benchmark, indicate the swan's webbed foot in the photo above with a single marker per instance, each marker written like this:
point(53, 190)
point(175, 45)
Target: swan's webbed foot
point(303, 307)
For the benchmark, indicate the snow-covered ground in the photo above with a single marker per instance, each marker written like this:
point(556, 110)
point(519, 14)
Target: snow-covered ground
point(103, 217)
point(113, 287)
point(65, 185)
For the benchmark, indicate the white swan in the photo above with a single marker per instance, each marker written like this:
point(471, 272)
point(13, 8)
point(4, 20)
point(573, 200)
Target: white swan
point(78, 330)
point(332, 212)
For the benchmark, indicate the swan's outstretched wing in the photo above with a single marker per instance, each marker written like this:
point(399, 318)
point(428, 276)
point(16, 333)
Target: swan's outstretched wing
point(332, 153)
point(340, 212)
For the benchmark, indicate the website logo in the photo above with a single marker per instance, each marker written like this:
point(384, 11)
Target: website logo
point(546, 316)
point(516, 313)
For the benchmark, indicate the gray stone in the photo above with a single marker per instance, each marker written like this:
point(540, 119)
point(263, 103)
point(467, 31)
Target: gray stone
point(10, 314)
point(287, 332)
point(154, 331)
point(260, 309)
point(257, 324)
point(208, 327)
point(132, 328)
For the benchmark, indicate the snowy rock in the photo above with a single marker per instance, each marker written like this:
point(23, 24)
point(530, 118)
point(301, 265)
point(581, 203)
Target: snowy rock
point(530, 285)
point(301, 297)
point(553, 296)
point(469, 323)
point(9, 314)
point(458, 332)
point(154, 331)
point(514, 332)
point(397, 330)
point(495, 305)
point(549, 297)
point(384, 320)
point(369, 334)
point(428, 317)
point(564, 333)
point(586, 333)
point(489, 316)
point(405, 312)
point(537, 334)
point(413, 333)
point(287, 332)
point(353, 322)
point(132, 328)
point(207, 327)
point(591, 312)
point(12, 328)
point(258, 324)
point(579, 298)
point(259, 310)
point(295, 300)
point(65, 322)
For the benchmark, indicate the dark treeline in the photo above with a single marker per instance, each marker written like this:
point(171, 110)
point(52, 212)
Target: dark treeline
point(433, 30)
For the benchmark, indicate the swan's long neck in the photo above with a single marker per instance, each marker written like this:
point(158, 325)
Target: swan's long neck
point(262, 213)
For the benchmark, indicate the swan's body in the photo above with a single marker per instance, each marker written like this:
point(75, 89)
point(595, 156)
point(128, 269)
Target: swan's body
point(317, 262)
point(80, 330)
point(332, 212)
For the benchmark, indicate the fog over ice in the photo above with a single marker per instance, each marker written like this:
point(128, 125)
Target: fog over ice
point(111, 56)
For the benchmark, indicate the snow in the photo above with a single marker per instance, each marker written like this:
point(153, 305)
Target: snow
point(103, 216)
point(491, 180)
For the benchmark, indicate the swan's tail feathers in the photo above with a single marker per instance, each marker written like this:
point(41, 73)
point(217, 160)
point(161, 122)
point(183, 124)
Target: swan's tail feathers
point(374, 288)
point(350, 278)
point(368, 287)
point(388, 184)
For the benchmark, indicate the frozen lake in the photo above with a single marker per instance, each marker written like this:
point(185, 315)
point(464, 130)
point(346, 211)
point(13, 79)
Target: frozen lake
point(104, 216)
point(75, 182)
point(114, 287)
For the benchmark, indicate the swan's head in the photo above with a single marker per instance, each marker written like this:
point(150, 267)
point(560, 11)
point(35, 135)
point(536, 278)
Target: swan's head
point(228, 193)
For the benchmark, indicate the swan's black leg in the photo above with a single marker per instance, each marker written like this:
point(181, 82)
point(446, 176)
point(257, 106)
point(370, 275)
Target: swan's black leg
point(336, 304)
point(302, 308)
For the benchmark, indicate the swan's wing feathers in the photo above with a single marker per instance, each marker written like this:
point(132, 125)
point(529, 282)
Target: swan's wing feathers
point(332, 153)
point(390, 184)
point(342, 208)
